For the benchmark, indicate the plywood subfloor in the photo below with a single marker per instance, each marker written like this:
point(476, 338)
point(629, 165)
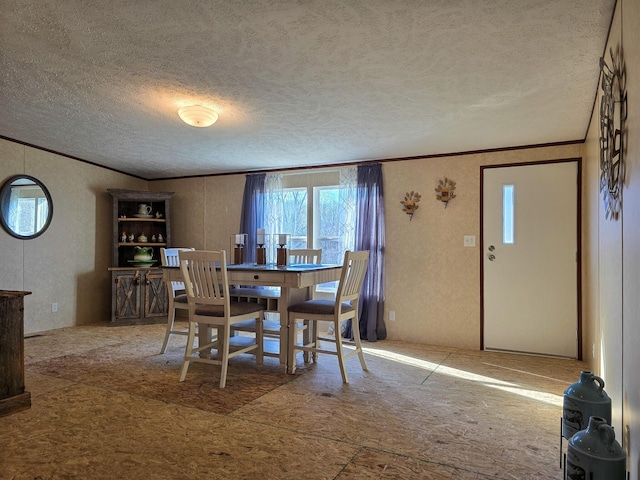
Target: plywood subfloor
point(106, 405)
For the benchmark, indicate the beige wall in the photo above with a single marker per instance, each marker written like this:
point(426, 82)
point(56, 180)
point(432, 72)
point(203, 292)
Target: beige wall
point(205, 210)
point(611, 300)
point(67, 264)
point(432, 281)
point(631, 238)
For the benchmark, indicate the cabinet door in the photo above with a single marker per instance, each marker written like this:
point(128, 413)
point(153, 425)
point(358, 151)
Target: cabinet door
point(127, 295)
point(155, 294)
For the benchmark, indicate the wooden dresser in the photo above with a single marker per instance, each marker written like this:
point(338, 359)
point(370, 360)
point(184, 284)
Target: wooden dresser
point(13, 398)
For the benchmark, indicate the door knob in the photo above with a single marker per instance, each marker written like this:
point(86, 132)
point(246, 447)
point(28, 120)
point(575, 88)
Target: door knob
point(491, 257)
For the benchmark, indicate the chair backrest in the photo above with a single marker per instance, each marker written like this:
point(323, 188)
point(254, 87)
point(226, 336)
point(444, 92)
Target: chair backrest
point(354, 269)
point(169, 258)
point(205, 277)
point(305, 256)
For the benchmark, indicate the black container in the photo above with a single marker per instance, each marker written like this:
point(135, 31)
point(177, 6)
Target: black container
point(582, 400)
point(595, 454)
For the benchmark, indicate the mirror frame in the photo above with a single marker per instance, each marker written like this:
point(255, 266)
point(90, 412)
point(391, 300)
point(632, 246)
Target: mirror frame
point(4, 191)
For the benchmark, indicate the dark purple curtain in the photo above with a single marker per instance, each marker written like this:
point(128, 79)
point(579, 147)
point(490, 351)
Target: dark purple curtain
point(370, 236)
point(252, 216)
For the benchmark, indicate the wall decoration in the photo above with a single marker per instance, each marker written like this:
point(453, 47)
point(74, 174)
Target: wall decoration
point(410, 203)
point(444, 191)
point(611, 132)
point(16, 217)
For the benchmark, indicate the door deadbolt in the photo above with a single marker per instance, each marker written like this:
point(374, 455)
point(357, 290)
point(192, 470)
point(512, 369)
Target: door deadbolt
point(491, 257)
point(491, 248)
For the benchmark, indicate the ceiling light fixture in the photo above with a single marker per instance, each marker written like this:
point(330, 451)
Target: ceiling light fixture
point(198, 116)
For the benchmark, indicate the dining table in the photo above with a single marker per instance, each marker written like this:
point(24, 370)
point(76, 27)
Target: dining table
point(295, 282)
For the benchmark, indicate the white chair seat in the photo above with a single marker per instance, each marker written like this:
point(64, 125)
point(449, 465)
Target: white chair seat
point(319, 307)
point(235, 309)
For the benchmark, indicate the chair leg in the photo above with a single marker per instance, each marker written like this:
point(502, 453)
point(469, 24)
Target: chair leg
point(188, 351)
point(356, 338)
point(343, 367)
point(291, 353)
point(170, 320)
point(225, 354)
point(315, 326)
point(260, 339)
point(306, 337)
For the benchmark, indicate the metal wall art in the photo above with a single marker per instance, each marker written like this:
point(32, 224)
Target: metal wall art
point(410, 203)
point(444, 191)
point(611, 132)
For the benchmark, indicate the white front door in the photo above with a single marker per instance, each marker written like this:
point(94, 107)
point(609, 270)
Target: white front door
point(529, 242)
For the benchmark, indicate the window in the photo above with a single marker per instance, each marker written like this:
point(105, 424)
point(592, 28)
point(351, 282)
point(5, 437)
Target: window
point(317, 212)
point(315, 227)
point(295, 216)
point(31, 210)
point(326, 231)
point(508, 199)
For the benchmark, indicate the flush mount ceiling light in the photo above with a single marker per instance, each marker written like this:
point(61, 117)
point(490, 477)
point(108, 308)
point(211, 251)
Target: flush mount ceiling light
point(198, 116)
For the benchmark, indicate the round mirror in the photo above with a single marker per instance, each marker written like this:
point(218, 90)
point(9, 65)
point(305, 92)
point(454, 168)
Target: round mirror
point(25, 207)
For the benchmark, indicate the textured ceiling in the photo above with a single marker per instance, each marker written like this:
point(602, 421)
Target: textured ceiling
point(295, 82)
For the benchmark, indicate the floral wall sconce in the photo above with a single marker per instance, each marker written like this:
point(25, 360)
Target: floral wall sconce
point(410, 203)
point(444, 191)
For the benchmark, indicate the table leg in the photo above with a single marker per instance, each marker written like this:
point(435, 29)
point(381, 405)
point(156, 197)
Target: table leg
point(204, 337)
point(289, 296)
point(283, 305)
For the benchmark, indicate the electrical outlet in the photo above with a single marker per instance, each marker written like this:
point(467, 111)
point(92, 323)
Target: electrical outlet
point(469, 240)
point(54, 307)
point(392, 315)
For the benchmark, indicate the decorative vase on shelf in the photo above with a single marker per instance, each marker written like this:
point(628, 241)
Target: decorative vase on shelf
point(143, 254)
point(144, 209)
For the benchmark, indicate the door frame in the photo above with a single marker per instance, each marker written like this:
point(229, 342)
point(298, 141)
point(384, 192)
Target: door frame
point(578, 161)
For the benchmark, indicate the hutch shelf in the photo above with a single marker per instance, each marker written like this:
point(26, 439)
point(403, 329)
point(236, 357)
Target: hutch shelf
point(143, 220)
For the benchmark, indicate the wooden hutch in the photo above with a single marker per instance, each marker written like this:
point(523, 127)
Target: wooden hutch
point(139, 294)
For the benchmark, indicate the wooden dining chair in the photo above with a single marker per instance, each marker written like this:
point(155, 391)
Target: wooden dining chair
point(305, 256)
point(344, 307)
point(207, 285)
point(177, 295)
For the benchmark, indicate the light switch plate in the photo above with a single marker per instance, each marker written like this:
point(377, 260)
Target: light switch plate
point(469, 240)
